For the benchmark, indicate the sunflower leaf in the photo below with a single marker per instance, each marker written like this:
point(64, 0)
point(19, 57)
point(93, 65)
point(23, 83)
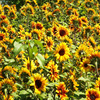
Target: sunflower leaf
point(40, 59)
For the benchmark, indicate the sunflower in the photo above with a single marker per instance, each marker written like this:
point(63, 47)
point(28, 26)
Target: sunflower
point(33, 24)
point(85, 65)
point(88, 31)
point(73, 83)
point(69, 11)
point(13, 7)
point(97, 29)
point(8, 72)
point(97, 85)
point(56, 11)
point(6, 9)
point(75, 12)
point(92, 94)
point(61, 91)
point(39, 26)
point(95, 18)
point(90, 11)
point(44, 7)
point(81, 51)
point(84, 20)
point(75, 21)
point(28, 36)
point(36, 34)
point(1, 9)
point(12, 14)
point(92, 42)
point(8, 85)
point(88, 3)
point(24, 74)
point(23, 11)
point(49, 43)
point(20, 56)
point(53, 70)
point(29, 64)
point(49, 16)
point(62, 52)
point(54, 30)
point(62, 32)
point(2, 37)
point(39, 84)
point(29, 9)
point(4, 23)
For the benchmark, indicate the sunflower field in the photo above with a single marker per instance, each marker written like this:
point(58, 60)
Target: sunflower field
point(50, 50)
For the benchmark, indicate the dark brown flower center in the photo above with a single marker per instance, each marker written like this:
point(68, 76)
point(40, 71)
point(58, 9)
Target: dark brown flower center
point(28, 65)
point(48, 43)
point(62, 32)
point(62, 52)
point(38, 83)
point(54, 30)
point(84, 20)
point(92, 97)
point(1, 37)
point(85, 65)
point(39, 27)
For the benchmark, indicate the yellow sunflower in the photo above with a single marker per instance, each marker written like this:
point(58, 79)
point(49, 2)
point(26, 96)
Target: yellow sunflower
point(8, 85)
point(20, 56)
point(39, 84)
point(6, 9)
point(54, 30)
point(85, 65)
point(53, 70)
point(88, 3)
point(62, 32)
point(92, 42)
point(96, 18)
point(33, 24)
point(97, 29)
point(24, 73)
point(36, 34)
point(29, 9)
point(97, 85)
point(39, 26)
point(88, 31)
point(12, 14)
point(74, 84)
point(29, 64)
point(92, 94)
point(61, 91)
point(2, 37)
point(82, 51)
point(90, 11)
point(84, 20)
point(49, 43)
point(62, 52)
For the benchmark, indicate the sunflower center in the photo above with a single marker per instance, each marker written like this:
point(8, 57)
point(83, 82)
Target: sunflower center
point(92, 97)
point(62, 32)
point(62, 52)
point(39, 27)
point(48, 43)
point(38, 83)
point(83, 20)
point(85, 65)
point(54, 30)
point(28, 65)
point(1, 37)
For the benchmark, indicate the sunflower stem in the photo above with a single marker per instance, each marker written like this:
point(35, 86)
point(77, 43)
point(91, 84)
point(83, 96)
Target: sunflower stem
point(96, 66)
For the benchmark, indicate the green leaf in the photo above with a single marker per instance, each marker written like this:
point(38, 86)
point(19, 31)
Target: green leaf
point(23, 92)
point(39, 43)
point(40, 59)
point(79, 93)
point(83, 79)
point(52, 84)
point(18, 47)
